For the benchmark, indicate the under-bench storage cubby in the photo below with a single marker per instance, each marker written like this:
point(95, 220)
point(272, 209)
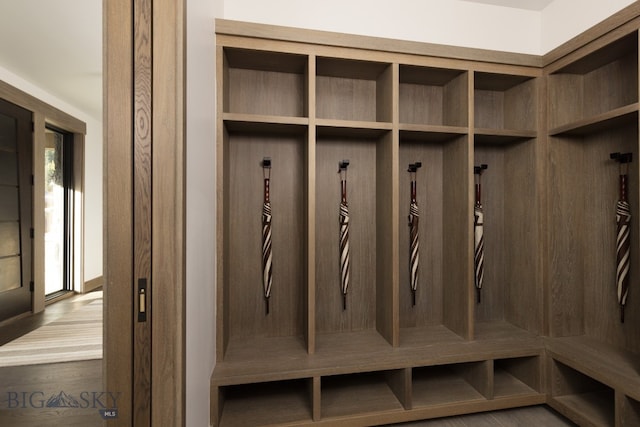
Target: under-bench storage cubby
point(357, 394)
point(262, 404)
point(581, 398)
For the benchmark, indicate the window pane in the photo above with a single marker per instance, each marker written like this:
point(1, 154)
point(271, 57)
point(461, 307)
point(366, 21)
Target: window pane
point(54, 212)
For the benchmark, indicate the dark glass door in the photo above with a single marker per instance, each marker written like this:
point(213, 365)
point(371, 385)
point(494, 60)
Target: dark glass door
point(16, 194)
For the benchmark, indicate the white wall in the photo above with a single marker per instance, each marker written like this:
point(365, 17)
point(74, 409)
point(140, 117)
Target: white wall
point(565, 19)
point(201, 207)
point(449, 22)
point(93, 171)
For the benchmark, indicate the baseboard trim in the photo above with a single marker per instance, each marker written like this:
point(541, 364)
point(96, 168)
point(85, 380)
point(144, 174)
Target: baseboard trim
point(93, 284)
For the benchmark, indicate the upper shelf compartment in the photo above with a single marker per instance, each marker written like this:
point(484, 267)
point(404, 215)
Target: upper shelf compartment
point(504, 107)
point(265, 83)
point(598, 91)
point(353, 90)
point(433, 96)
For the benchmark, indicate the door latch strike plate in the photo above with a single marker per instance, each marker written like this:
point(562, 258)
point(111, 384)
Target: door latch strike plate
point(142, 300)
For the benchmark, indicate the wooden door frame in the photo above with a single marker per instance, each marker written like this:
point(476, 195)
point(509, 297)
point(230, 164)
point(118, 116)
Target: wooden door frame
point(167, 188)
point(44, 114)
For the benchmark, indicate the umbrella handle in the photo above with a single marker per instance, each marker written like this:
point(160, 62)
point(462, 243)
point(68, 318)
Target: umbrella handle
point(623, 188)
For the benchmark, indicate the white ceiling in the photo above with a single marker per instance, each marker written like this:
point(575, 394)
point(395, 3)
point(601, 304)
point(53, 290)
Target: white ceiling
point(61, 52)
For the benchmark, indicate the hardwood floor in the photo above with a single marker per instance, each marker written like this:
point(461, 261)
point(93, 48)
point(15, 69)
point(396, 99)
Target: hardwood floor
point(26, 390)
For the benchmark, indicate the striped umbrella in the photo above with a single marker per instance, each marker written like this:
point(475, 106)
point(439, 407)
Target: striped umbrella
point(344, 233)
point(267, 255)
point(478, 224)
point(623, 233)
point(414, 242)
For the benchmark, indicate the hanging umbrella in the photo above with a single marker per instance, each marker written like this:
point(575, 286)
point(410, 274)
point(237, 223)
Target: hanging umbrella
point(414, 242)
point(623, 235)
point(344, 233)
point(478, 224)
point(266, 234)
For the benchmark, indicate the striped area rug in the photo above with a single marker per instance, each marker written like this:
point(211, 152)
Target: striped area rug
point(75, 336)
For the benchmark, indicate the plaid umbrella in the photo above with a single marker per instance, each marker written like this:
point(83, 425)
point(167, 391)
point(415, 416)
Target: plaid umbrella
point(267, 255)
point(478, 224)
point(344, 233)
point(414, 242)
point(623, 235)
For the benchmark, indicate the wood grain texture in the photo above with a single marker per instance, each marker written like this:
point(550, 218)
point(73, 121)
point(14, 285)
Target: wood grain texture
point(457, 237)
point(387, 238)
point(142, 207)
point(478, 375)
point(347, 395)
point(400, 383)
point(361, 196)
point(615, 367)
point(168, 352)
point(118, 215)
point(384, 108)
point(429, 296)
point(494, 179)
point(525, 370)
point(346, 98)
point(310, 332)
point(246, 304)
point(567, 170)
point(442, 385)
point(266, 92)
point(222, 208)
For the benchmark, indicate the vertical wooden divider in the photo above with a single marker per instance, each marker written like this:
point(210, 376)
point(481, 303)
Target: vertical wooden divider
point(316, 398)
point(311, 211)
point(168, 211)
point(118, 117)
point(387, 199)
point(479, 375)
point(142, 208)
point(222, 203)
point(399, 382)
point(458, 292)
point(542, 177)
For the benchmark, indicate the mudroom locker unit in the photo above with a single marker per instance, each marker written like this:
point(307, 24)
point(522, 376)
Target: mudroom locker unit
point(546, 326)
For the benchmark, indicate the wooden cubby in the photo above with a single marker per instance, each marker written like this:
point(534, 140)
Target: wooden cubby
point(510, 201)
point(629, 411)
point(520, 376)
point(368, 195)
point(582, 265)
point(433, 97)
point(357, 394)
point(353, 90)
point(461, 383)
point(547, 329)
point(264, 83)
point(441, 312)
point(581, 398)
point(261, 404)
